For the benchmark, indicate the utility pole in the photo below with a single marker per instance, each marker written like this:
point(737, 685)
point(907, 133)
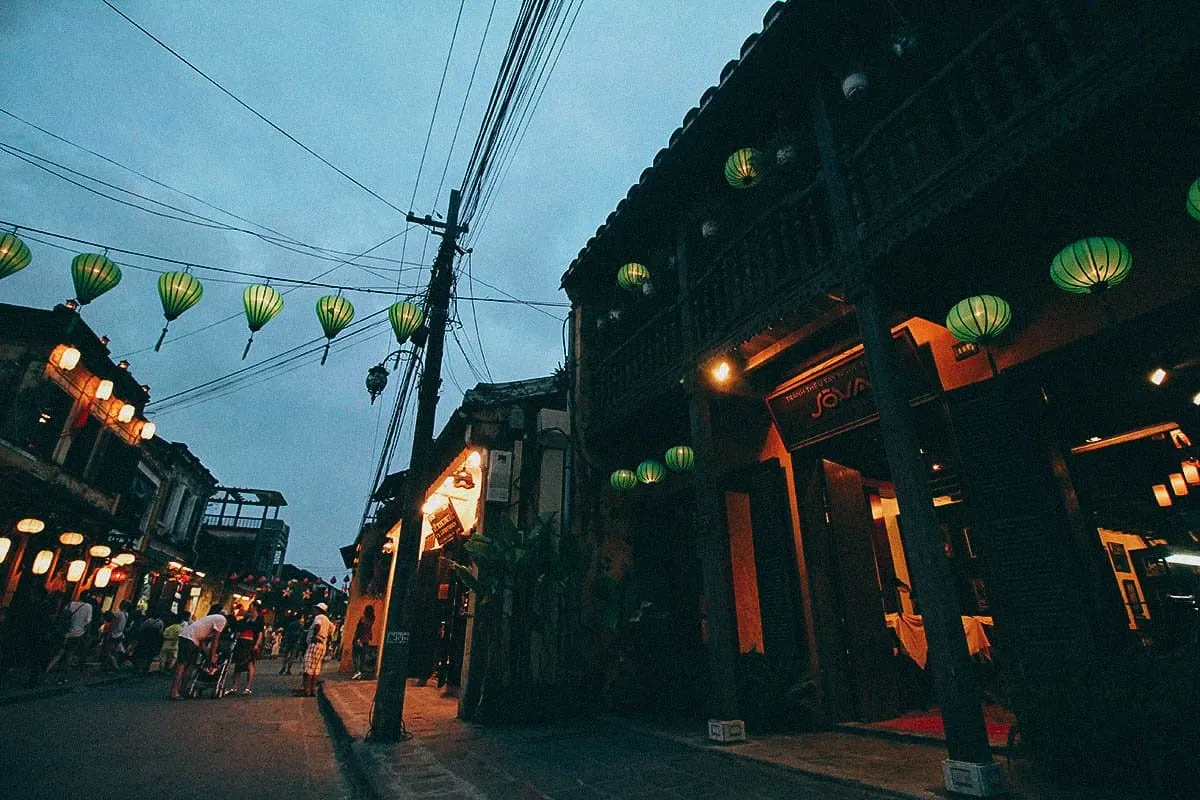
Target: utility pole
point(388, 714)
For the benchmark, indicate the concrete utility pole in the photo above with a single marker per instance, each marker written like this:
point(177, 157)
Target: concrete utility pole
point(388, 714)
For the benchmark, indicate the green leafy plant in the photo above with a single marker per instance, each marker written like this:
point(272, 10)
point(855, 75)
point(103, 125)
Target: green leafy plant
point(775, 696)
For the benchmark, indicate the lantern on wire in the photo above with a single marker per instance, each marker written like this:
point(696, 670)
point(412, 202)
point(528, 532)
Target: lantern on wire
point(740, 171)
point(178, 291)
point(632, 276)
point(1091, 265)
point(334, 312)
point(93, 274)
point(680, 459)
point(651, 471)
point(262, 303)
point(405, 318)
point(623, 480)
point(14, 254)
point(979, 320)
point(1193, 208)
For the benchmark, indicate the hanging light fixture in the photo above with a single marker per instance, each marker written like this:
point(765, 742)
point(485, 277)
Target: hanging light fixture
point(31, 525)
point(68, 359)
point(623, 480)
point(178, 291)
point(75, 570)
point(125, 559)
point(651, 471)
point(42, 562)
point(5, 547)
point(632, 276)
point(334, 312)
point(262, 303)
point(70, 538)
point(405, 318)
point(147, 430)
point(680, 459)
point(1178, 484)
point(980, 319)
point(126, 413)
point(104, 389)
point(1091, 265)
point(377, 378)
point(1161, 495)
point(93, 275)
point(99, 551)
point(14, 254)
point(103, 575)
point(1193, 208)
point(740, 171)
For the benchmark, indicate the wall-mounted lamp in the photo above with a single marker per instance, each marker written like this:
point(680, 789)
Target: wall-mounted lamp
point(31, 525)
point(721, 371)
point(68, 359)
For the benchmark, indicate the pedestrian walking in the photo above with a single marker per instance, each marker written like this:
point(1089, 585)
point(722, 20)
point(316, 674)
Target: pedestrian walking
point(360, 645)
point(75, 620)
point(114, 639)
point(170, 643)
point(199, 637)
point(248, 635)
point(314, 657)
point(147, 639)
point(292, 642)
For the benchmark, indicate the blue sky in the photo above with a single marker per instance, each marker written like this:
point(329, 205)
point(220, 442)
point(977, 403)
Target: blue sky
point(355, 81)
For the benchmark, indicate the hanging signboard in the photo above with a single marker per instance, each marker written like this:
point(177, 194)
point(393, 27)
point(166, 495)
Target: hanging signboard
point(840, 398)
point(445, 524)
point(499, 476)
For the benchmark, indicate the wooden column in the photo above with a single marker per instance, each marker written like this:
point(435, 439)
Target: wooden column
point(949, 660)
point(712, 538)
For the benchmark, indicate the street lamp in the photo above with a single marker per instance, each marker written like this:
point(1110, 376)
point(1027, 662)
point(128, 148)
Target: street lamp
point(377, 378)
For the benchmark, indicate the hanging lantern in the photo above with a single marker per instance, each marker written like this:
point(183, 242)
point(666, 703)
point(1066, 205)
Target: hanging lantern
point(405, 318)
point(103, 575)
point(233, 576)
point(334, 312)
point(42, 561)
point(93, 275)
point(30, 525)
point(124, 559)
point(377, 378)
point(979, 319)
point(70, 538)
point(1193, 208)
point(632, 276)
point(1091, 265)
point(680, 459)
point(739, 169)
point(651, 471)
point(5, 546)
point(99, 551)
point(75, 570)
point(262, 303)
point(178, 291)
point(623, 480)
point(14, 254)
point(275, 581)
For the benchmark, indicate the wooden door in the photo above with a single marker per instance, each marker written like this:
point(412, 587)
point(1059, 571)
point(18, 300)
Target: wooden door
point(775, 567)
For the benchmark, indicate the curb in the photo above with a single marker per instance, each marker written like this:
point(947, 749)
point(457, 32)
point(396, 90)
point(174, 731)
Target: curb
point(731, 752)
point(346, 749)
point(58, 691)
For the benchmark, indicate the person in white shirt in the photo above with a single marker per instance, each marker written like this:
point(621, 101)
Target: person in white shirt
point(78, 618)
point(202, 634)
point(318, 638)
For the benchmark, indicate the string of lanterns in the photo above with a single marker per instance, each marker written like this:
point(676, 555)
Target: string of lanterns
point(95, 274)
point(680, 458)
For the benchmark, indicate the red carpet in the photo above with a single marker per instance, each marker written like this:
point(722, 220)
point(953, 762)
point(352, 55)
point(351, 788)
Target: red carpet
point(929, 723)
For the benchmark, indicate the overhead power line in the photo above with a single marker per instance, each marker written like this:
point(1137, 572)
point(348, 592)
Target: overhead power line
point(254, 111)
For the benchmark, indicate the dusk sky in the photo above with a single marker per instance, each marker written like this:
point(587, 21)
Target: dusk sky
point(356, 82)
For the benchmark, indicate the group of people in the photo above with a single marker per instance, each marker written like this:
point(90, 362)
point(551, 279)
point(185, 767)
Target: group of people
point(200, 646)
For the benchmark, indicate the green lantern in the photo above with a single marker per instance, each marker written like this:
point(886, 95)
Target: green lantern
point(1193, 206)
point(178, 291)
point(651, 471)
point(740, 171)
point(1091, 265)
point(632, 276)
point(262, 304)
point(14, 254)
point(680, 459)
point(623, 480)
point(334, 312)
point(405, 319)
point(979, 319)
point(93, 275)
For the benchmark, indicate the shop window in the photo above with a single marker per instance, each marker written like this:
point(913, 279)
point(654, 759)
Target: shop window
point(37, 419)
point(82, 445)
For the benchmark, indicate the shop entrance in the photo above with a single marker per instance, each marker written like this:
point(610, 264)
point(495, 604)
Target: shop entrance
point(868, 624)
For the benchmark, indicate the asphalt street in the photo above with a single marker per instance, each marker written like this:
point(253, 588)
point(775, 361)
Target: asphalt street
point(126, 740)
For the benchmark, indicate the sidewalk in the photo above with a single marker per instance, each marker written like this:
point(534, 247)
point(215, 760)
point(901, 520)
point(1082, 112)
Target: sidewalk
point(447, 758)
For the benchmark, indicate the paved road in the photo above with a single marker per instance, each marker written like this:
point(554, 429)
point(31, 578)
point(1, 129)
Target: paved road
point(127, 740)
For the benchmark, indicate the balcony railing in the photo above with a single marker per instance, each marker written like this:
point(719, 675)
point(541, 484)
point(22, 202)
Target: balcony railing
point(651, 351)
point(240, 523)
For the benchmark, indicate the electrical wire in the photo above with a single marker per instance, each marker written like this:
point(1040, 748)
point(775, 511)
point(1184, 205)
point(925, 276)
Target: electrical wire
point(253, 111)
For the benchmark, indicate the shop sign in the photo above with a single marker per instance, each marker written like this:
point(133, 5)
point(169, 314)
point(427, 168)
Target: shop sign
point(445, 524)
point(840, 398)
